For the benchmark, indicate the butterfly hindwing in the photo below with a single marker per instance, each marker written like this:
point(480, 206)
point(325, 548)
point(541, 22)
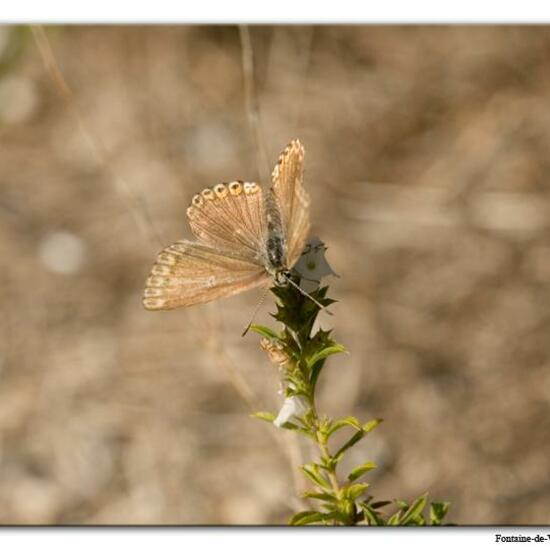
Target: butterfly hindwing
point(187, 273)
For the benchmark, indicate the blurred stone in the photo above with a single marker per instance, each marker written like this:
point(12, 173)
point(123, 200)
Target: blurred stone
point(212, 146)
point(62, 252)
point(35, 500)
point(510, 212)
point(537, 264)
point(18, 99)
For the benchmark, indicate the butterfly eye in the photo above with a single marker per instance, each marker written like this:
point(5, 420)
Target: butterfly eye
point(197, 201)
point(220, 190)
point(208, 194)
point(235, 188)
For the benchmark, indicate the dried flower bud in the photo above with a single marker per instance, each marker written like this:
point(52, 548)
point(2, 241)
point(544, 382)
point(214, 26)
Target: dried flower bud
point(275, 352)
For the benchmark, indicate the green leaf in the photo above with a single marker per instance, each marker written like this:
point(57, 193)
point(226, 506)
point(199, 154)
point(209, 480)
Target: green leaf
point(262, 415)
point(306, 517)
point(403, 504)
point(336, 516)
point(328, 464)
point(342, 423)
point(290, 426)
point(319, 496)
point(315, 372)
point(265, 331)
point(380, 504)
point(369, 426)
point(324, 353)
point(313, 473)
point(394, 520)
point(354, 491)
point(356, 473)
point(350, 443)
point(320, 341)
point(415, 510)
point(438, 511)
point(371, 515)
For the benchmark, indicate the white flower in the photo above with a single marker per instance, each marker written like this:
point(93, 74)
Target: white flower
point(312, 265)
point(293, 407)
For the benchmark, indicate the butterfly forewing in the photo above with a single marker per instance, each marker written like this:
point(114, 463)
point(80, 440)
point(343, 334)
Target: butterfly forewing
point(188, 273)
point(292, 199)
point(230, 216)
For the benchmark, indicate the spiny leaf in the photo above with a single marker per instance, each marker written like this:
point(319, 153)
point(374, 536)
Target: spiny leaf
point(360, 470)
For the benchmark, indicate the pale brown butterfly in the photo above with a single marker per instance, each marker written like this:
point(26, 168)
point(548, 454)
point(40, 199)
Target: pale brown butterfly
point(246, 237)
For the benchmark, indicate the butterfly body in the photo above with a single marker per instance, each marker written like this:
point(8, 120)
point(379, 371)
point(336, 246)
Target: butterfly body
point(246, 236)
point(275, 245)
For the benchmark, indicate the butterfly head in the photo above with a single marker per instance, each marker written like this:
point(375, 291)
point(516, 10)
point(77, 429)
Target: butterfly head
point(281, 277)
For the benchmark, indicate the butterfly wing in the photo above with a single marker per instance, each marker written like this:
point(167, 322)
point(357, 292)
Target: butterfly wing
point(187, 273)
point(292, 199)
point(230, 216)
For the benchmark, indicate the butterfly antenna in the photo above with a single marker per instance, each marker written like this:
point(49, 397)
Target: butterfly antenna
point(304, 293)
point(255, 312)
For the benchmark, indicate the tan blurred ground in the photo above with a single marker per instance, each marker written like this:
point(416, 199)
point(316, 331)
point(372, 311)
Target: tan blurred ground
point(427, 157)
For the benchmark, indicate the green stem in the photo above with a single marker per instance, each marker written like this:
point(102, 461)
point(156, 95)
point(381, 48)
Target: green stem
point(323, 448)
point(331, 473)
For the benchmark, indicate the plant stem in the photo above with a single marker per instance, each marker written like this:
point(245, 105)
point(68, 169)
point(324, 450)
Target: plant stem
point(331, 473)
point(323, 448)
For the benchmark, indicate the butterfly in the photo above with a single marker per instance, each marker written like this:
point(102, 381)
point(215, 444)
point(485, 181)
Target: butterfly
point(246, 236)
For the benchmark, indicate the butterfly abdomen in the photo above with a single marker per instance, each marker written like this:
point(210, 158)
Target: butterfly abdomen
point(275, 241)
point(276, 252)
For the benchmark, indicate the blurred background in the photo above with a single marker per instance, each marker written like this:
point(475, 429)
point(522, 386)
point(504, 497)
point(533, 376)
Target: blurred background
point(427, 160)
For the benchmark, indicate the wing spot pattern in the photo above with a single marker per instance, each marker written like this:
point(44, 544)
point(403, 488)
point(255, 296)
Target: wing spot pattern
point(235, 188)
point(221, 191)
point(208, 194)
